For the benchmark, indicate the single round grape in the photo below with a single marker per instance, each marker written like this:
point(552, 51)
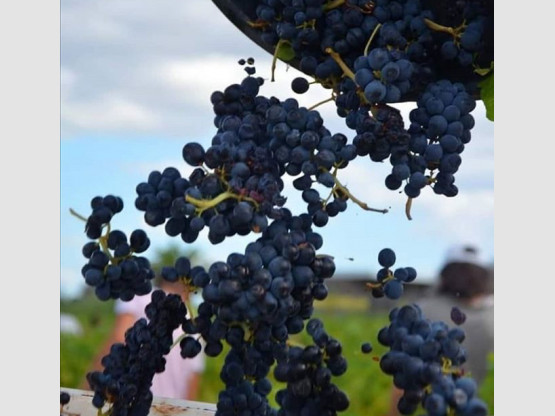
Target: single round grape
point(393, 289)
point(366, 347)
point(64, 398)
point(300, 85)
point(457, 316)
point(386, 257)
point(375, 91)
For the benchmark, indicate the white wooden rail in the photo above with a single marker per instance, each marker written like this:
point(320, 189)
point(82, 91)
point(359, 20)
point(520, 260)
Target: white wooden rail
point(80, 404)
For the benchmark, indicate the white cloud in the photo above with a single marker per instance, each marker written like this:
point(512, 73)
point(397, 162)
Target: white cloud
point(110, 112)
point(67, 78)
point(466, 217)
point(199, 76)
point(71, 284)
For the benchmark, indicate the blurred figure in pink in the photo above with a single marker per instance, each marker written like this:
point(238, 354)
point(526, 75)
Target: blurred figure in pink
point(181, 378)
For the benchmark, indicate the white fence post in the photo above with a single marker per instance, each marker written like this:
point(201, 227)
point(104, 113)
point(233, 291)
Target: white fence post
point(80, 404)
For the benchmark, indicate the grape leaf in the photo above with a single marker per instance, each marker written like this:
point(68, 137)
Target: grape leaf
point(486, 94)
point(285, 52)
point(484, 71)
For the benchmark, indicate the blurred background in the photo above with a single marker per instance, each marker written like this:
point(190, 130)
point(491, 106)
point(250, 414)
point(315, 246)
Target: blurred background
point(136, 78)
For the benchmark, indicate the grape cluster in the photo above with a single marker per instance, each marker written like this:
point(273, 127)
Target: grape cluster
point(315, 30)
point(244, 374)
point(464, 41)
point(237, 182)
point(380, 135)
point(274, 284)
point(374, 53)
point(384, 75)
point(103, 209)
point(156, 195)
point(311, 28)
point(113, 268)
point(271, 138)
point(440, 128)
point(256, 299)
point(130, 366)
point(267, 138)
point(193, 277)
point(424, 359)
point(390, 282)
point(254, 302)
point(308, 372)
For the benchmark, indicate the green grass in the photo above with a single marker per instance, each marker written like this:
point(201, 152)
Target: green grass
point(367, 387)
point(77, 352)
point(486, 389)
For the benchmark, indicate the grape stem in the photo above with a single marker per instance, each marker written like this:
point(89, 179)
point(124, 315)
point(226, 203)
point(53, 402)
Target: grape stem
point(408, 206)
point(455, 32)
point(189, 307)
point(108, 412)
point(259, 24)
point(447, 367)
point(332, 193)
point(333, 4)
point(274, 59)
point(347, 72)
point(382, 283)
point(310, 24)
point(204, 204)
point(75, 214)
point(337, 58)
point(371, 38)
point(321, 102)
point(103, 240)
point(178, 340)
point(339, 186)
point(191, 316)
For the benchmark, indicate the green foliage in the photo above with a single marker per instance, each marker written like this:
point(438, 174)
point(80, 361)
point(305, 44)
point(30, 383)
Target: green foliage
point(77, 352)
point(486, 389)
point(486, 94)
point(368, 388)
point(285, 52)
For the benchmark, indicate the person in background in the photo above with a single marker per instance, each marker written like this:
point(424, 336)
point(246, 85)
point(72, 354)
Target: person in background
point(181, 378)
point(465, 282)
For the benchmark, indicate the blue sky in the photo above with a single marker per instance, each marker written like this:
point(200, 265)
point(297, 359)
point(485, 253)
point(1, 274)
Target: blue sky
point(135, 87)
point(98, 47)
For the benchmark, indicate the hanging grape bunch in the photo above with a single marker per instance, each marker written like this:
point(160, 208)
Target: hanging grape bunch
point(370, 55)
